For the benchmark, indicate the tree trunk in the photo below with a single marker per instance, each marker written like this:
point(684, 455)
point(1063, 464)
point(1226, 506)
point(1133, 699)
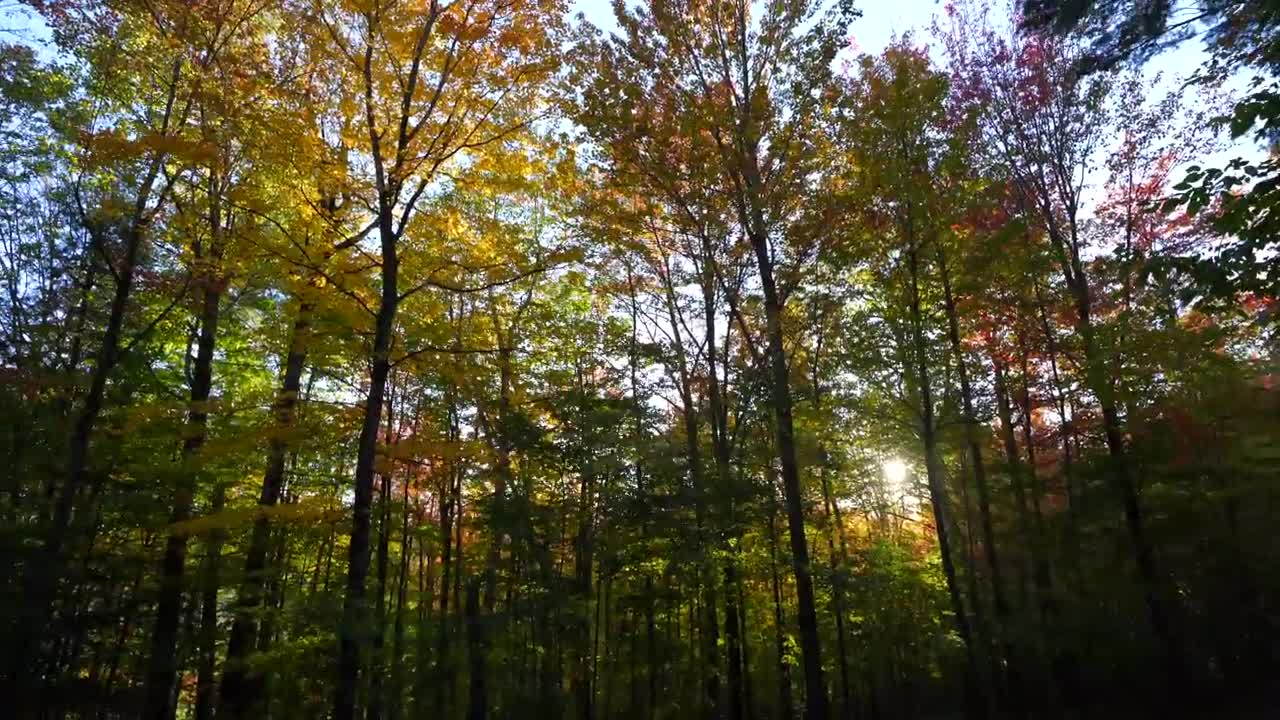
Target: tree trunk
point(697, 477)
point(378, 660)
point(40, 583)
point(206, 672)
point(162, 672)
point(651, 648)
point(583, 545)
point(396, 706)
point(933, 470)
point(733, 638)
point(444, 662)
point(1043, 576)
point(242, 686)
point(1159, 610)
point(722, 452)
point(786, 709)
point(502, 479)
point(748, 690)
point(1013, 673)
point(43, 573)
point(1012, 455)
point(806, 608)
point(353, 634)
point(377, 665)
point(478, 702)
point(837, 590)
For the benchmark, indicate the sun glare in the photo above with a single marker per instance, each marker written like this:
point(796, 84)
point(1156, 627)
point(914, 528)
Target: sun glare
point(895, 471)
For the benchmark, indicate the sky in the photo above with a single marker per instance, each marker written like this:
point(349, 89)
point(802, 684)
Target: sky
point(880, 22)
point(880, 19)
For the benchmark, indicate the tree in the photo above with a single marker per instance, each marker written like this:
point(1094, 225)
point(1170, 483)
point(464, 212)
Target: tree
point(465, 78)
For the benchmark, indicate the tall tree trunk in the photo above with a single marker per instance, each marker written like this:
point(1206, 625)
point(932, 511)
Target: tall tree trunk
point(42, 574)
point(353, 634)
point(1013, 457)
point(378, 660)
point(450, 515)
point(242, 686)
point(163, 668)
point(396, 705)
point(502, 479)
point(748, 689)
point(460, 564)
point(1012, 664)
point(697, 475)
point(583, 544)
point(784, 427)
point(933, 470)
point(1043, 576)
point(206, 685)
point(733, 638)
point(651, 640)
point(786, 708)
point(426, 602)
point(478, 701)
point(721, 450)
point(444, 662)
point(1159, 605)
point(377, 664)
point(837, 591)
point(1061, 401)
point(835, 561)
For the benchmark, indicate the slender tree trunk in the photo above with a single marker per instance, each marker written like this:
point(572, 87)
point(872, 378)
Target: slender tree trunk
point(697, 475)
point(835, 561)
point(722, 452)
point(444, 662)
point(1061, 401)
point(163, 668)
point(1043, 576)
point(396, 706)
point(1159, 606)
point(502, 479)
point(583, 543)
point(377, 665)
point(242, 686)
point(353, 634)
point(206, 672)
point(651, 640)
point(786, 710)
point(933, 469)
point(42, 574)
point(1013, 673)
point(1012, 455)
point(378, 660)
point(426, 602)
point(477, 705)
point(450, 515)
point(837, 592)
point(459, 571)
point(733, 638)
point(748, 689)
point(806, 608)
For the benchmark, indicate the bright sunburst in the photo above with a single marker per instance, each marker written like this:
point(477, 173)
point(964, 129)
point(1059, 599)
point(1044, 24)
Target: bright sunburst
point(895, 471)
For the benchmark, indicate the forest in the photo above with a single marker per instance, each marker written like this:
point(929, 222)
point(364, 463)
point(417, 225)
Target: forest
point(463, 359)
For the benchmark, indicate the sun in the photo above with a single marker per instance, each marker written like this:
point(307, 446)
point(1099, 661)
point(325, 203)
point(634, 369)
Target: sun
point(895, 471)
